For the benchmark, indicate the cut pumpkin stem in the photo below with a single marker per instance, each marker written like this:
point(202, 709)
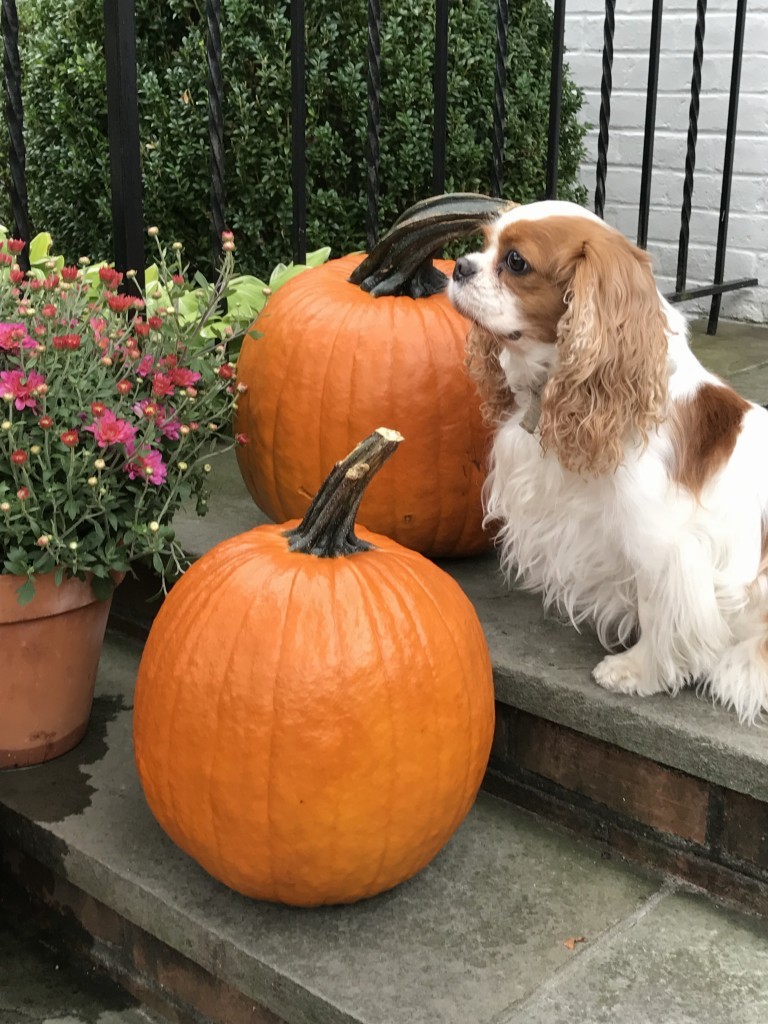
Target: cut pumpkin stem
point(328, 527)
point(401, 262)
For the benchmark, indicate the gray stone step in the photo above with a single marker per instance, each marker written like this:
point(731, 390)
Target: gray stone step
point(481, 935)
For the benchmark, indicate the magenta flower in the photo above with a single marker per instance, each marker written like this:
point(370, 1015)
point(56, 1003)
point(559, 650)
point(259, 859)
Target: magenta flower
point(145, 366)
point(162, 418)
point(162, 385)
point(107, 430)
point(14, 385)
point(147, 465)
point(184, 378)
point(13, 337)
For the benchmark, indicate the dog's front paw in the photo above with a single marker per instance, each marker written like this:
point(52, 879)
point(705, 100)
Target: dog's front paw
point(626, 673)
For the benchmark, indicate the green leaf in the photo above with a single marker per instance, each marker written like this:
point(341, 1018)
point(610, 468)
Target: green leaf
point(279, 269)
point(314, 259)
point(39, 247)
point(157, 563)
point(278, 280)
point(26, 592)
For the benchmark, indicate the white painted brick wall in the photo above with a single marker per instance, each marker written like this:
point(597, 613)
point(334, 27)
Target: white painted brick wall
point(747, 251)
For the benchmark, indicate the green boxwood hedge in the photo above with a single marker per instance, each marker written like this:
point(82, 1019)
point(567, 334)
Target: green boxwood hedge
point(66, 118)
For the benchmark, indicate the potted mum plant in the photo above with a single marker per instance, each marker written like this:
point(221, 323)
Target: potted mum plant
point(111, 405)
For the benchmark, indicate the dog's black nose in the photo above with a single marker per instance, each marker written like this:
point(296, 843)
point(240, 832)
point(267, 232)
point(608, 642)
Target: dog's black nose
point(463, 268)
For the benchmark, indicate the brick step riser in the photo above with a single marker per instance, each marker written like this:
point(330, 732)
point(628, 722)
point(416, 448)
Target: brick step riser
point(92, 936)
point(711, 836)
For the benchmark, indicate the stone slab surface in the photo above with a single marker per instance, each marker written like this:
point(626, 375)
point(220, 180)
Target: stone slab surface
point(684, 961)
point(737, 347)
point(479, 936)
point(478, 930)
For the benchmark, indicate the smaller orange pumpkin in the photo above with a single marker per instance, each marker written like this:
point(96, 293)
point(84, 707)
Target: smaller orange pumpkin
point(367, 340)
point(314, 708)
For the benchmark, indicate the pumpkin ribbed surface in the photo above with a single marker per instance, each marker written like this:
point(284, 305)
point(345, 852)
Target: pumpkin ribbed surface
point(313, 730)
point(324, 351)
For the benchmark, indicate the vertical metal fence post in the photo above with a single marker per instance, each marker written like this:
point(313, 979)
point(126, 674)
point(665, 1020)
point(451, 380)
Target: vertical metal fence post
point(441, 97)
point(215, 121)
point(730, 145)
point(373, 125)
point(650, 123)
point(14, 113)
point(555, 98)
point(123, 132)
point(499, 89)
point(606, 85)
point(298, 130)
point(690, 157)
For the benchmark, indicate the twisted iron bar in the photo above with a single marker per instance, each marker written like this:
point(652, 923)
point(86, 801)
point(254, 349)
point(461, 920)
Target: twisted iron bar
point(690, 156)
point(606, 84)
point(14, 113)
point(373, 124)
point(440, 91)
point(215, 120)
point(500, 85)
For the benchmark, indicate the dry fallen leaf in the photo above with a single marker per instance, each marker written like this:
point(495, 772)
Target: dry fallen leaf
point(571, 943)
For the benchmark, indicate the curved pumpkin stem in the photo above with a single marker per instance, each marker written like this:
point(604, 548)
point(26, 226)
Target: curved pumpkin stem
point(328, 527)
point(401, 262)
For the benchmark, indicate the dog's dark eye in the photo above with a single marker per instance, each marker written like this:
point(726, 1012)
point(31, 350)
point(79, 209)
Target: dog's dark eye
point(515, 262)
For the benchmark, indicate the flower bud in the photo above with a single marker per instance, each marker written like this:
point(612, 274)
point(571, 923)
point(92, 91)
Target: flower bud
point(6, 424)
point(4, 506)
point(177, 246)
point(154, 526)
point(207, 467)
point(153, 232)
point(35, 449)
point(99, 464)
point(183, 466)
point(72, 545)
point(43, 541)
point(92, 481)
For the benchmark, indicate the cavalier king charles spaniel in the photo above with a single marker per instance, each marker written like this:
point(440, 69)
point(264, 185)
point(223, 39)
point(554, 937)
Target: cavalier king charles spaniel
point(629, 484)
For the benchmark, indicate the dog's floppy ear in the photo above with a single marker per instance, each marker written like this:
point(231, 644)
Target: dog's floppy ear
point(483, 351)
point(611, 379)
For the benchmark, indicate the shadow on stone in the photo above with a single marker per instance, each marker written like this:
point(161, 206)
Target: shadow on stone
point(59, 788)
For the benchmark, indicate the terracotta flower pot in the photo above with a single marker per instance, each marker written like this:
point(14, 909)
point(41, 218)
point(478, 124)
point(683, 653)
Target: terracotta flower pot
point(50, 654)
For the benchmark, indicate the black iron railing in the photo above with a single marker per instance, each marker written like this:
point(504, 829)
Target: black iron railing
point(120, 53)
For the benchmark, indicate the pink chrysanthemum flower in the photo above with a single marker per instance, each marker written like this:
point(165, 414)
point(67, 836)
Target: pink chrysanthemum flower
point(147, 465)
point(14, 336)
point(163, 418)
point(15, 385)
point(184, 378)
point(108, 429)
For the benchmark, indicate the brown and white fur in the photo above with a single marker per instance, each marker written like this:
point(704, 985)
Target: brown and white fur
point(639, 501)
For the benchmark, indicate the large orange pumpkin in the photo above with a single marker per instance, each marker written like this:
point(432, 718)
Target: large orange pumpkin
point(314, 709)
point(352, 355)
